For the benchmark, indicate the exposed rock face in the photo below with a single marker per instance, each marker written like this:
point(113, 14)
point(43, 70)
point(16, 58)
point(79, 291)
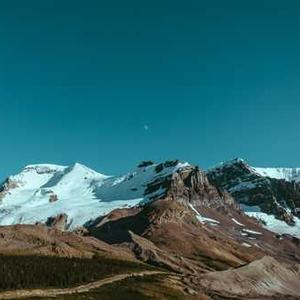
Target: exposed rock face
point(53, 198)
point(60, 222)
point(192, 185)
point(8, 185)
point(278, 197)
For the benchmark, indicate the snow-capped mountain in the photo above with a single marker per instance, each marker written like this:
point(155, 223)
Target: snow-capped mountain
point(75, 196)
point(42, 191)
point(271, 195)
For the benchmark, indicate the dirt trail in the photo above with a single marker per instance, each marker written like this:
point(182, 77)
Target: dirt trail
point(19, 294)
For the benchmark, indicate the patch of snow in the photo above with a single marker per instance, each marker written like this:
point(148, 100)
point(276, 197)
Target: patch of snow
point(251, 231)
point(288, 174)
point(209, 220)
point(276, 225)
point(237, 222)
point(246, 245)
point(202, 219)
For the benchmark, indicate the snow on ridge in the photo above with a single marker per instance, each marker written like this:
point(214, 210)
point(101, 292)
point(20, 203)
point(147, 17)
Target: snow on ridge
point(33, 176)
point(225, 164)
point(288, 174)
point(134, 184)
point(45, 166)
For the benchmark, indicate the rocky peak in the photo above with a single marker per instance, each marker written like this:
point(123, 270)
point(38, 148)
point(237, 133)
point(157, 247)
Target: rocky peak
point(249, 187)
point(190, 185)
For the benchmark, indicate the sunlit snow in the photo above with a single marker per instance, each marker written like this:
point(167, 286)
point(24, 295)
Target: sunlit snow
point(45, 191)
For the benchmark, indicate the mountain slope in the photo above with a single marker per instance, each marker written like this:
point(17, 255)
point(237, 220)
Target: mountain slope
point(262, 279)
point(194, 230)
point(196, 220)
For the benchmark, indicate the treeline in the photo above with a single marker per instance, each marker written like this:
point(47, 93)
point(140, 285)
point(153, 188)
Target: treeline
point(22, 272)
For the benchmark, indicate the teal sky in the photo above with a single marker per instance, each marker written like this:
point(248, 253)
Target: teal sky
point(110, 83)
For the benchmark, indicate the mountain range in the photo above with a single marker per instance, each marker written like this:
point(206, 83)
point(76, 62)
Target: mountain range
point(42, 192)
point(230, 232)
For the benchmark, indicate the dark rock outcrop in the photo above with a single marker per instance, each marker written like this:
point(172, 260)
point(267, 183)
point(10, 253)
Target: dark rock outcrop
point(190, 185)
point(60, 222)
point(273, 196)
point(6, 186)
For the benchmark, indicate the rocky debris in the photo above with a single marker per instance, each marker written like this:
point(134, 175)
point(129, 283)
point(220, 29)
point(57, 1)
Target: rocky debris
point(266, 277)
point(190, 291)
point(60, 222)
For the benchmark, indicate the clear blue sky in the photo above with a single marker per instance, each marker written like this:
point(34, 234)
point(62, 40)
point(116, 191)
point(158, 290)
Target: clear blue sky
point(110, 83)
